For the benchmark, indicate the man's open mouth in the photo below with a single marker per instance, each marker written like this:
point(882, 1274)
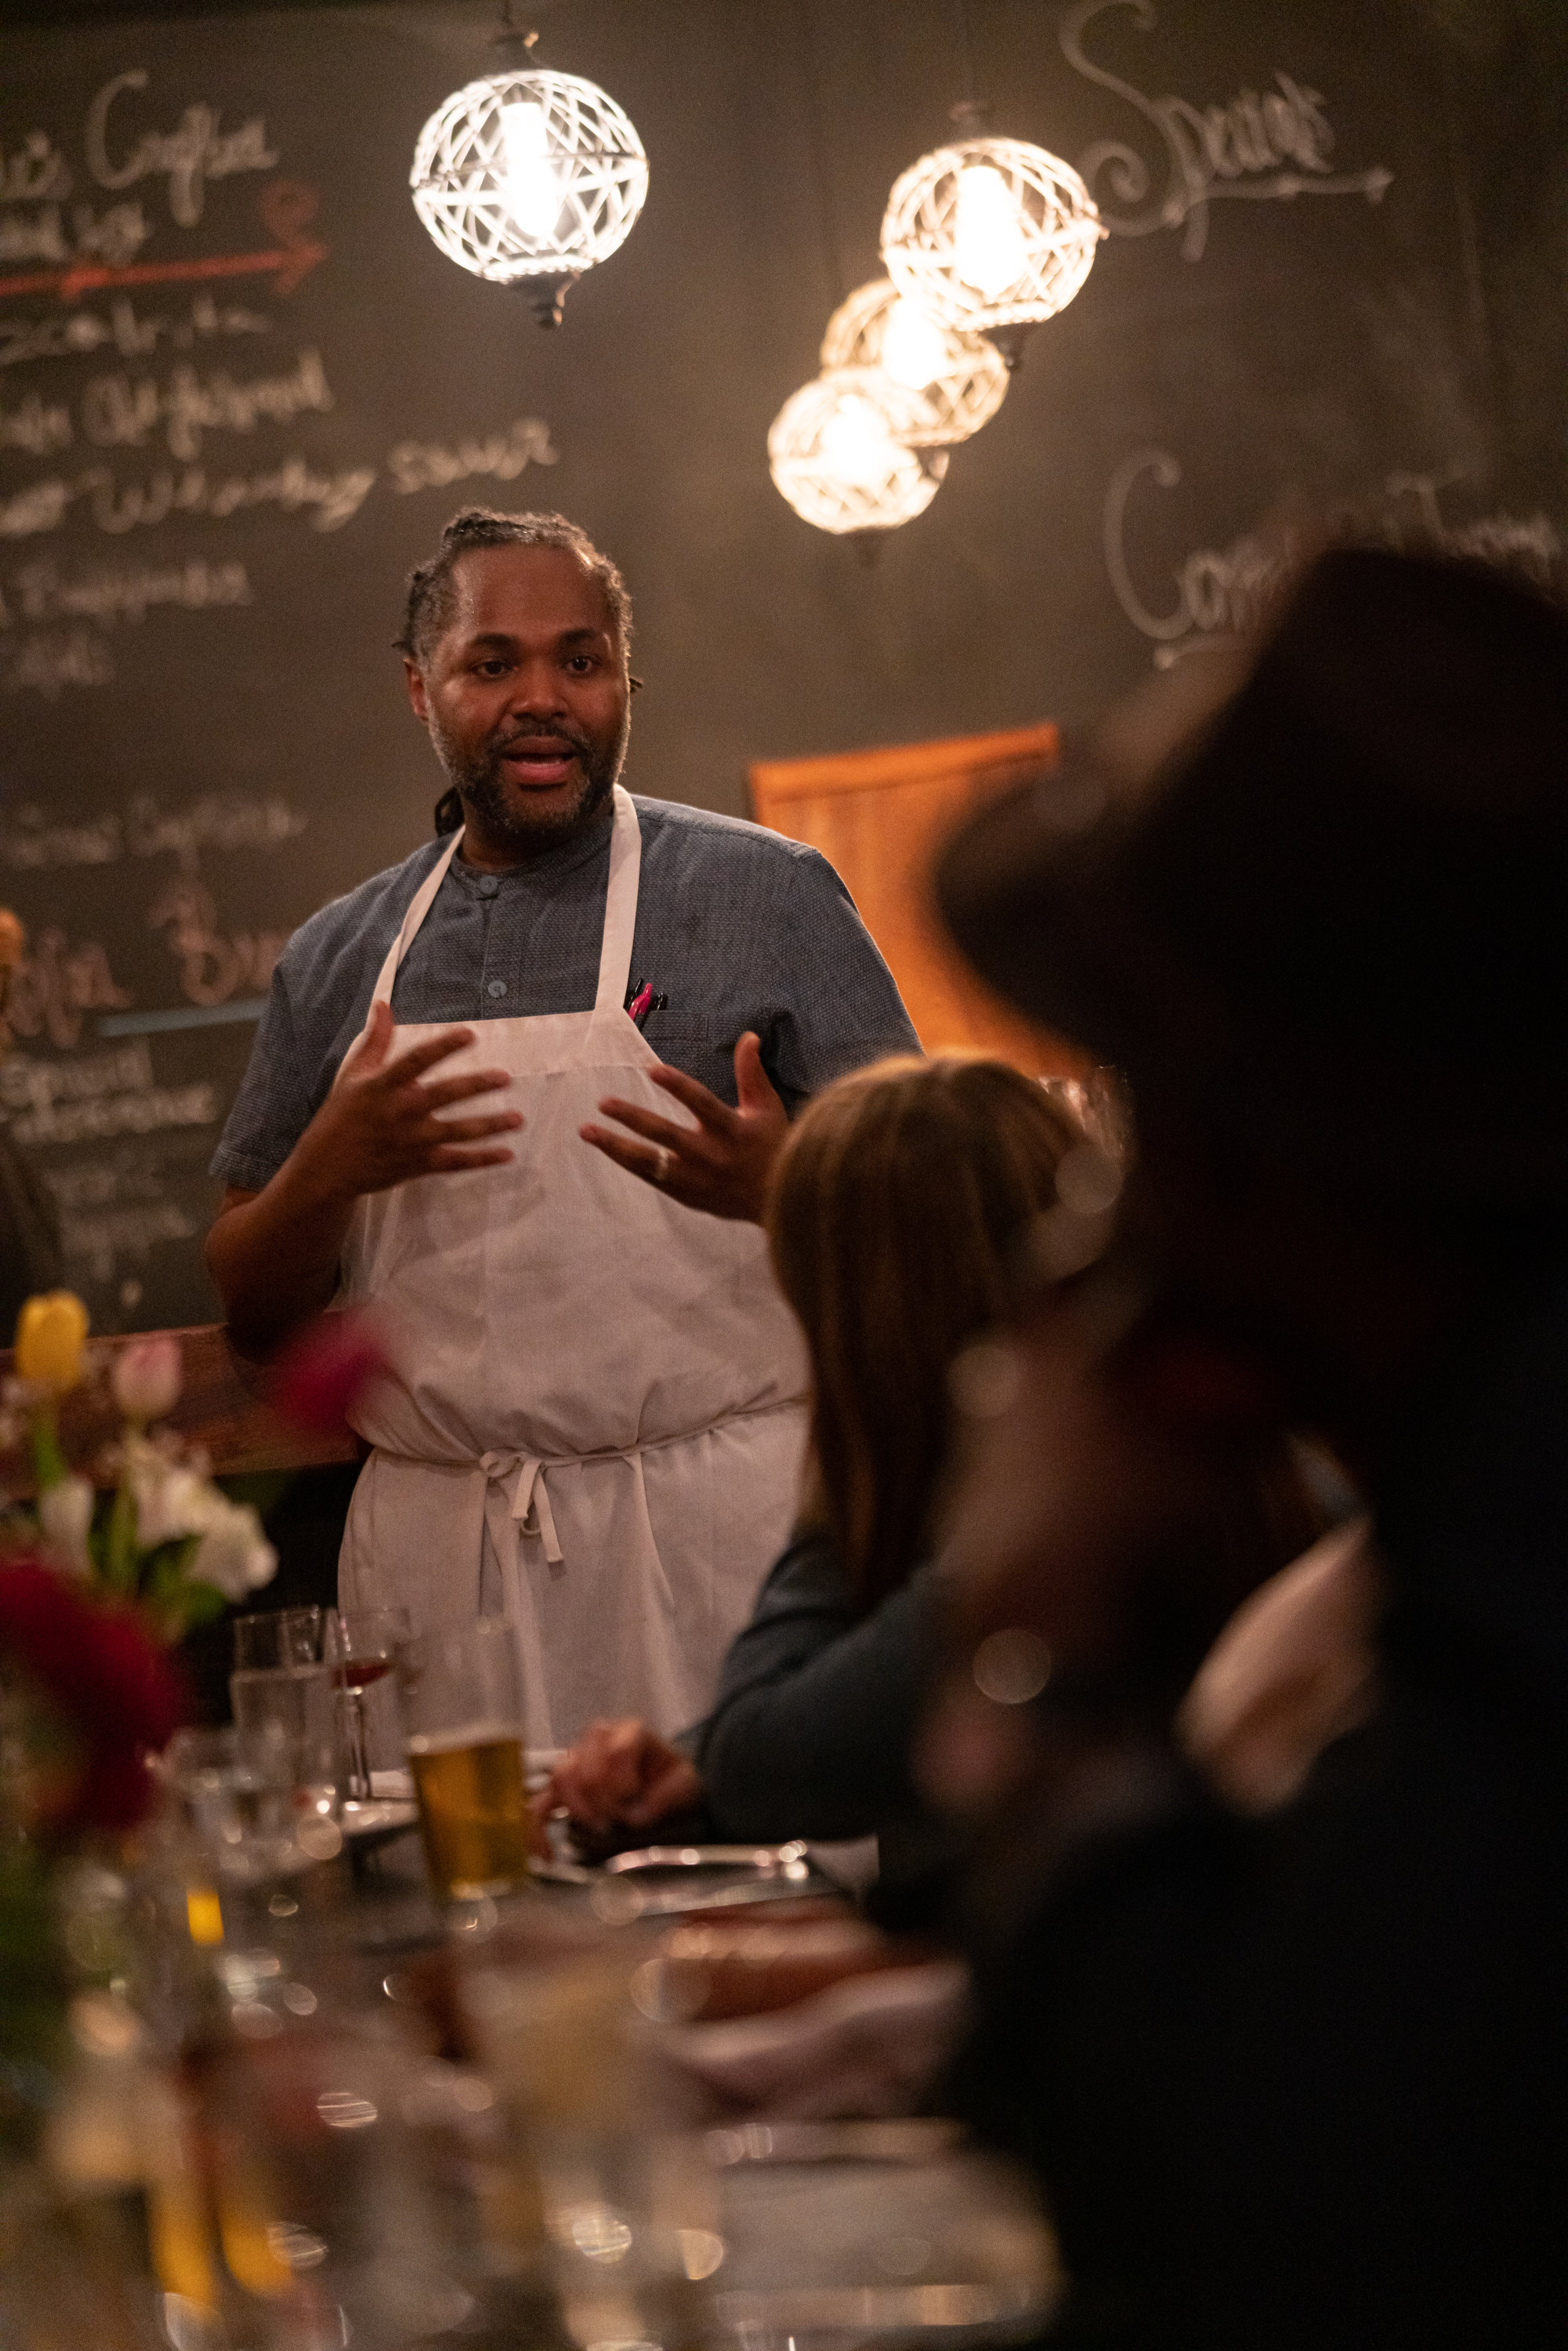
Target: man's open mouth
point(539, 759)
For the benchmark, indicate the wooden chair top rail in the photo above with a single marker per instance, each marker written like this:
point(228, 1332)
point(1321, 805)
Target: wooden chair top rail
point(778, 780)
point(223, 1408)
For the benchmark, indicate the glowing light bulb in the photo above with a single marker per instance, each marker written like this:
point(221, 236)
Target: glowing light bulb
point(913, 348)
point(533, 192)
point(990, 249)
point(856, 443)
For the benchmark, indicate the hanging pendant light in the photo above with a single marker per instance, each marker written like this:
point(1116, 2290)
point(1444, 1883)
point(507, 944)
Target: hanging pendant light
point(989, 236)
point(963, 377)
point(529, 178)
point(843, 450)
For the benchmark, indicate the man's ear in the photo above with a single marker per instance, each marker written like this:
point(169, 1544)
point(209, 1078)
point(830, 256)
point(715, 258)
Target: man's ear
point(419, 700)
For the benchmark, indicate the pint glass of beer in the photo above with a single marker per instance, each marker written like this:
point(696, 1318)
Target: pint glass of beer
point(461, 1685)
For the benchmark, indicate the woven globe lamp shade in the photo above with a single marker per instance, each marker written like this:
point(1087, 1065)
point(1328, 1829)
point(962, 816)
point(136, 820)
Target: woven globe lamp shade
point(530, 179)
point(839, 450)
point(989, 236)
point(964, 378)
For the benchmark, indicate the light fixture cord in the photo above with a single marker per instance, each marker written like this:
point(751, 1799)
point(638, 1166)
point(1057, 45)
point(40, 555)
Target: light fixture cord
point(832, 258)
point(966, 52)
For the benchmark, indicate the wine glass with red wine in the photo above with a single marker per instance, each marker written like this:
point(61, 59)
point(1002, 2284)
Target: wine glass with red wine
point(361, 1645)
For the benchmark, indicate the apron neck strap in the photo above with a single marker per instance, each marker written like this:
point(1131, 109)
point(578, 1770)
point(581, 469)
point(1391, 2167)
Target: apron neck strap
point(620, 911)
point(419, 906)
point(619, 907)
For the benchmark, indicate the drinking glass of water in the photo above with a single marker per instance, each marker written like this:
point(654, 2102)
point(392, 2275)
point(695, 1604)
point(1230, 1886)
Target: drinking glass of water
point(275, 1638)
point(462, 1691)
point(286, 1718)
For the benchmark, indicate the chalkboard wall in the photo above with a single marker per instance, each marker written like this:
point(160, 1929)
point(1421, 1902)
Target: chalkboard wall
point(1335, 276)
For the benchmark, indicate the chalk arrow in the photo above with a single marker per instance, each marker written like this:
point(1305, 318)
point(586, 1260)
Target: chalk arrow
point(286, 207)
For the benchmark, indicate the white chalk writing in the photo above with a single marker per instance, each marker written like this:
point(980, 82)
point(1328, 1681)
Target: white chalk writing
point(33, 843)
point(1221, 593)
point(329, 499)
point(48, 660)
point(120, 411)
point(113, 236)
point(97, 1096)
point(37, 426)
point(56, 985)
point(187, 157)
point(32, 170)
point(1274, 145)
point(132, 333)
point(42, 592)
point(212, 968)
point(428, 465)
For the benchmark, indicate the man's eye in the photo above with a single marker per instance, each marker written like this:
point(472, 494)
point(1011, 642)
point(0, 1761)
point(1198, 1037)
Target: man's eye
point(494, 667)
point(581, 664)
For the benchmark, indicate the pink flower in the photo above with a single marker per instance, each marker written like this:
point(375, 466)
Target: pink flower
point(323, 1373)
point(147, 1377)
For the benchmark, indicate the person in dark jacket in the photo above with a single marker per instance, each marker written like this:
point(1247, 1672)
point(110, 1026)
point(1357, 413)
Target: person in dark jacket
point(900, 1199)
point(1302, 2081)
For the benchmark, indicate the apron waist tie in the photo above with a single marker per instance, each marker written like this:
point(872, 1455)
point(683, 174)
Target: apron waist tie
point(530, 1506)
point(530, 1497)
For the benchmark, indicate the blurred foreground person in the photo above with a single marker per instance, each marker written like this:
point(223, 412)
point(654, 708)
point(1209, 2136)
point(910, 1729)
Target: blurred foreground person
point(1301, 2079)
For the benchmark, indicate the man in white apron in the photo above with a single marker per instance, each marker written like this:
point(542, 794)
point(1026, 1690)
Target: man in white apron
point(599, 1415)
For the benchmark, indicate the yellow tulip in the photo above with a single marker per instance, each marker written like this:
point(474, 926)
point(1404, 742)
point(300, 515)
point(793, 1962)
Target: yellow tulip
point(50, 1332)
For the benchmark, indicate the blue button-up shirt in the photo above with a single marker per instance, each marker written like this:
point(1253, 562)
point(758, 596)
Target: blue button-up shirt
point(737, 928)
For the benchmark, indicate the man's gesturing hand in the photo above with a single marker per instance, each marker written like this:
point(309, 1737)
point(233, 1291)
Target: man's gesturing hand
point(723, 1163)
point(379, 1126)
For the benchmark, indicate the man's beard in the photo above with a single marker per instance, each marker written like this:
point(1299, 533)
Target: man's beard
point(483, 790)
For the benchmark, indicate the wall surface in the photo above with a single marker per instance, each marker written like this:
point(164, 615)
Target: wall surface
point(240, 390)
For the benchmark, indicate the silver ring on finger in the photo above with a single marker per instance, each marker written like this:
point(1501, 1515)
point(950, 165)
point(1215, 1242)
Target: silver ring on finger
point(664, 1160)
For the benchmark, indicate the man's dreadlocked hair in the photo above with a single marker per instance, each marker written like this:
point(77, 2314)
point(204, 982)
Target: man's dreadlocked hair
point(428, 610)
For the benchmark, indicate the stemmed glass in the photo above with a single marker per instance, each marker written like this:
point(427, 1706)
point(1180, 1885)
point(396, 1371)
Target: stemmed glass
point(362, 1646)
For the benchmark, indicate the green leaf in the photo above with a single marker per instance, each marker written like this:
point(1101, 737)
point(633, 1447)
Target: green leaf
point(120, 1564)
point(204, 1603)
point(49, 1464)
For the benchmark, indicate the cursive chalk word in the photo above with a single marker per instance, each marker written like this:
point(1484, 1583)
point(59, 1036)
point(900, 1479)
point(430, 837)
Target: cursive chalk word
point(1272, 146)
point(114, 1209)
point(212, 968)
point(34, 843)
point(48, 661)
point(32, 170)
point(37, 426)
point(130, 333)
point(113, 237)
point(42, 592)
point(217, 821)
point(120, 411)
point(31, 843)
point(56, 985)
point(328, 500)
point(427, 466)
point(95, 1097)
point(1222, 593)
point(187, 157)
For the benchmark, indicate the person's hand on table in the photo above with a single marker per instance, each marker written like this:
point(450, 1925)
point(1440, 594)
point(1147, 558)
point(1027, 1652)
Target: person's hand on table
point(723, 1163)
point(379, 1126)
point(622, 1774)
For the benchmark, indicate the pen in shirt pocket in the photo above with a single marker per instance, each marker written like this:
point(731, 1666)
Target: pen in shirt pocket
point(643, 1001)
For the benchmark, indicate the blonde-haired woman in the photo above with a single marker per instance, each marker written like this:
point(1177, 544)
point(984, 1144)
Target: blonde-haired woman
point(894, 1219)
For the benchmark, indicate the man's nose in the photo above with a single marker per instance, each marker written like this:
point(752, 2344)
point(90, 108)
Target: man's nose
point(536, 690)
